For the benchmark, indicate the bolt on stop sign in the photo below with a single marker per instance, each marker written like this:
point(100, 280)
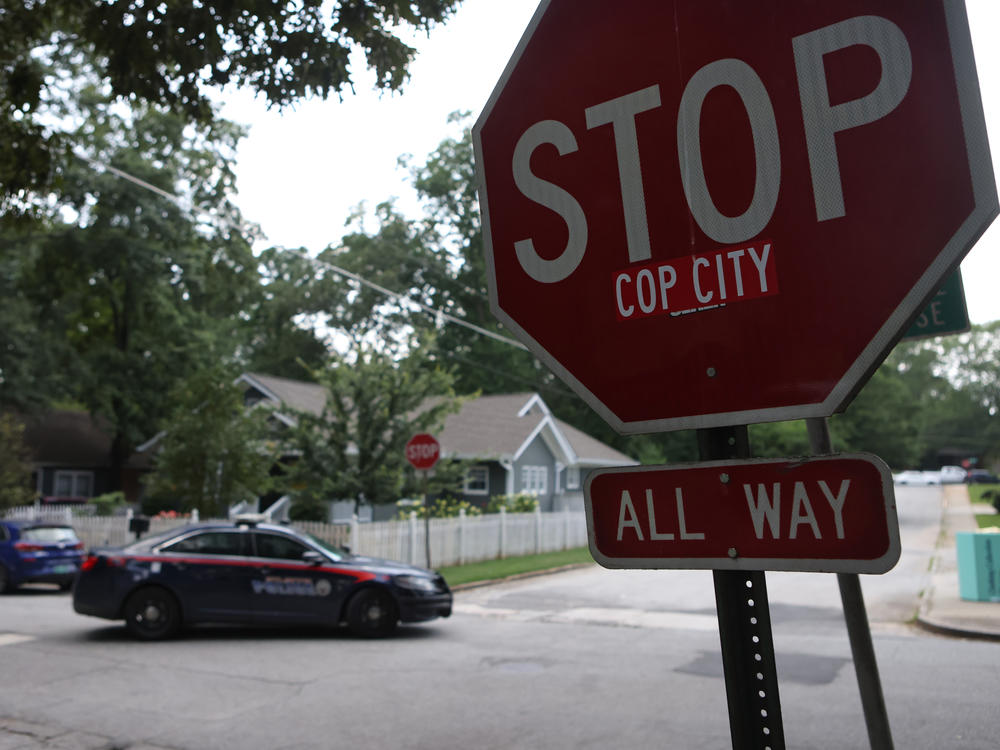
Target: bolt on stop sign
point(703, 213)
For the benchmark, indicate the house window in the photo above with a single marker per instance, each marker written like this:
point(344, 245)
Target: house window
point(477, 481)
point(74, 484)
point(572, 477)
point(535, 479)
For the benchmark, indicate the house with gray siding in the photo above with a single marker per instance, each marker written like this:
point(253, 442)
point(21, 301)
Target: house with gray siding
point(515, 442)
point(519, 446)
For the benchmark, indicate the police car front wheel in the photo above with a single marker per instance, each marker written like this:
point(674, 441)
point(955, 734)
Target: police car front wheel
point(371, 613)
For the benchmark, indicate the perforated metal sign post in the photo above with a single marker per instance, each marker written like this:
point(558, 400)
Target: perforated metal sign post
point(745, 629)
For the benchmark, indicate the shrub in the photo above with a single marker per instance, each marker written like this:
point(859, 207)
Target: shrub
point(443, 507)
point(107, 503)
point(519, 503)
point(308, 509)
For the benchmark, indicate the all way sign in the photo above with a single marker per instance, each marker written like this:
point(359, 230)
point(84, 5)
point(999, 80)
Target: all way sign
point(833, 514)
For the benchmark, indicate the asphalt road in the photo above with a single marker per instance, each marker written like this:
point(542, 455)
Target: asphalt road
point(589, 658)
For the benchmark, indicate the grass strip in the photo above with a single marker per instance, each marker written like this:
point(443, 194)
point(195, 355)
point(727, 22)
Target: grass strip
point(983, 493)
point(987, 520)
point(490, 570)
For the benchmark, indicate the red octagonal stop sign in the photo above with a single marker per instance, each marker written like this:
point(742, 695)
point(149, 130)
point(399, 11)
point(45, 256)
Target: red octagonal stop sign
point(423, 451)
point(702, 213)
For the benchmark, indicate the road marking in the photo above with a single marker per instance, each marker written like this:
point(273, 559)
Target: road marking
point(9, 639)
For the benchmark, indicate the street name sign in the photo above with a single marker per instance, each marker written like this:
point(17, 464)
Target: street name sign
point(829, 514)
point(703, 213)
point(423, 451)
point(946, 314)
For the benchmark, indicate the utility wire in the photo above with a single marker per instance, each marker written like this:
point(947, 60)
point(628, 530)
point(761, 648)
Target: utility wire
point(398, 297)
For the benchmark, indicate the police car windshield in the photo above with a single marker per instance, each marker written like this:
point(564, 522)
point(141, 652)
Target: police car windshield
point(338, 553)
point(148, 542)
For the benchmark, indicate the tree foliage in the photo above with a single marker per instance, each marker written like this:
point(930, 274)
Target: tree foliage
point(15, 466)
point(354, 449)
point(213, 452)
point(173, 54)
point(286, 316)
point(131, 289)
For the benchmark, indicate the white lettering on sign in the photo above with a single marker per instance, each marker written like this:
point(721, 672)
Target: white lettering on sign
point(553, 197)
point(764, 129)
point(821, 122)
point(418, 451)
point(620, 114)
point(627, 519)
point(711, 278)
point(765, 509)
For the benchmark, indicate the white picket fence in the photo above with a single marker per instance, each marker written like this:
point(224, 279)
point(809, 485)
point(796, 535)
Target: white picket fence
point(454, 541)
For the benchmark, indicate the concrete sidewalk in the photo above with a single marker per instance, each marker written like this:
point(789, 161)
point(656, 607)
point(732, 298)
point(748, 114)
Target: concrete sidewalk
point(941, 608)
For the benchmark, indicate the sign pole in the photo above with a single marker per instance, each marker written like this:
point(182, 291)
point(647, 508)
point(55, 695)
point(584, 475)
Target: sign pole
point(423, 451)
point(427, 519)
point(745, 628)
point(858, 630)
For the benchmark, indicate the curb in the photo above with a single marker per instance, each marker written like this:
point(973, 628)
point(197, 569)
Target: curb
point(924, 618)
point(954, 631)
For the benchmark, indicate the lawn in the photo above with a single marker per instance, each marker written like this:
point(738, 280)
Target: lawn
point(988, 520)
point(490, 570)
point(983, 493)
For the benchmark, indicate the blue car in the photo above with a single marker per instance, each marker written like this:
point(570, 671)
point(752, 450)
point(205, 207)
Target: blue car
point(38, 552)
point(254, 573)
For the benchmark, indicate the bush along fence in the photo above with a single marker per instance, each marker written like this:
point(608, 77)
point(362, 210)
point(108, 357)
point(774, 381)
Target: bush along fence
point(464, 538)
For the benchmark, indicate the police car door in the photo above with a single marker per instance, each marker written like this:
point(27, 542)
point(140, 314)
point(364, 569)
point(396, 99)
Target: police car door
point(289, 588)
point(209, 570)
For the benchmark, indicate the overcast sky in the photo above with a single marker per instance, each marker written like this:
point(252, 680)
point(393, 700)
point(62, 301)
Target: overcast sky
point(300, 173)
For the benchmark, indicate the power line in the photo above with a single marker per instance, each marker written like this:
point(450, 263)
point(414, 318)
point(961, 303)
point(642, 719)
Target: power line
point(398, 297)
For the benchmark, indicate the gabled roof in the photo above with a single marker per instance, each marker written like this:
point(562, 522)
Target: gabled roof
point(297, 394)
point(592, 451)
point(497, 427)
point(501, 427)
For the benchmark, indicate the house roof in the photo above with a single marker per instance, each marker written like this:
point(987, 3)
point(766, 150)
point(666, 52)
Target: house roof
point(297, 394)
point(591, 450)
point(72, 438)
point(502, 427)
point(498, 427)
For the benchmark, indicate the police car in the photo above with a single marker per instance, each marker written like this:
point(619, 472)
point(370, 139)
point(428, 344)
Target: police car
point(249, 572)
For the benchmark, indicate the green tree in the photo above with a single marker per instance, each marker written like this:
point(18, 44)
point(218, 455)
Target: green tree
point(138, 291)
point(173, 54)
point(883, 419)
point(213, 452)
point(961, 416)
point(378, 399)
point(779, 439)
point(286, 316)
point(15, 464)
point(31, 360)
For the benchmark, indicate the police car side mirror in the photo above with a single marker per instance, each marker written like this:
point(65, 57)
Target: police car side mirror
point(312, 557)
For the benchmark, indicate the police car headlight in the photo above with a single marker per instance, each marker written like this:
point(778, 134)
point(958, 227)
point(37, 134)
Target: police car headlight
point(417, 583)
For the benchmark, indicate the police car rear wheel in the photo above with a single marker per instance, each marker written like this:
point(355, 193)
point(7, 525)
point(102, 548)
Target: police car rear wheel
point(152, 613)
point(5, 584)
point(371, 613)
